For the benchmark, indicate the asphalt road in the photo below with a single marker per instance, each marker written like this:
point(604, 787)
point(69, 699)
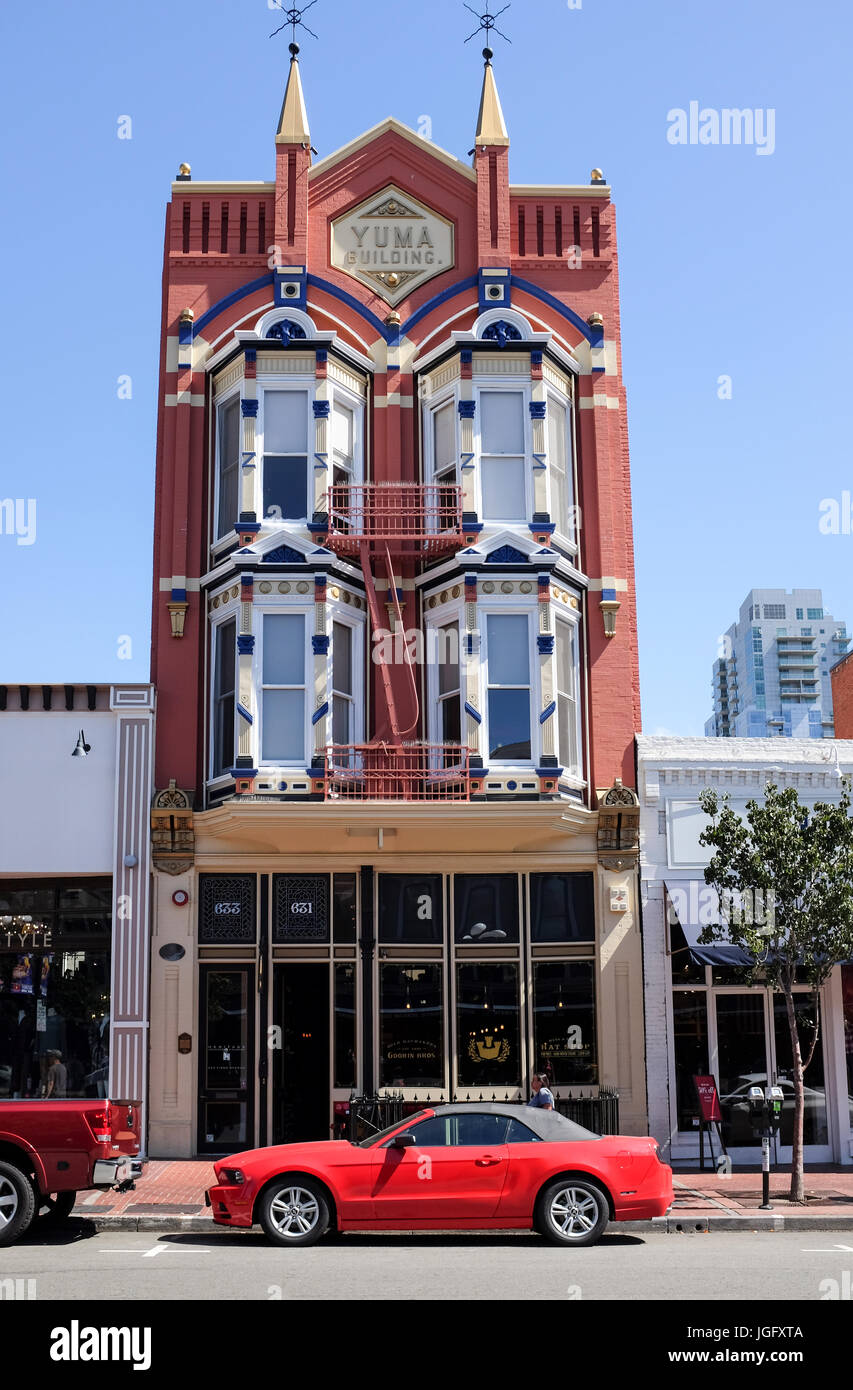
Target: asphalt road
point(80, 1263)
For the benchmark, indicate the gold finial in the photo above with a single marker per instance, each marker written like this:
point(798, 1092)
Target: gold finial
point(596, 176)
point(185, 172)
point(187, 315)
point(596, 320)
point(393, 320)
point(491, 126)
point(293, 121)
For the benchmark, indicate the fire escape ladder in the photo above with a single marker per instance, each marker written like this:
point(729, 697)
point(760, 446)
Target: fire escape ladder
point(398, 617)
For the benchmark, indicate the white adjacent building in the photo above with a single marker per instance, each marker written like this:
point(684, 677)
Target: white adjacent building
point(701, 1018)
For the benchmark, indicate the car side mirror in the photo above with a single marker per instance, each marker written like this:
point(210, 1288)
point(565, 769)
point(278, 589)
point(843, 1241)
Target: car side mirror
point(403, 1141)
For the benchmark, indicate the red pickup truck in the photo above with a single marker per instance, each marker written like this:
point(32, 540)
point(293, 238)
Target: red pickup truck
point(52, 1149)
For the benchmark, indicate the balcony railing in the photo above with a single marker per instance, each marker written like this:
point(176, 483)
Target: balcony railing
point(413, 518)
point(397, 772)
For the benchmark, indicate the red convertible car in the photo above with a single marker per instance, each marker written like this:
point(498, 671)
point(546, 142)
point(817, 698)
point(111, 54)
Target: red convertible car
point(454, 1167)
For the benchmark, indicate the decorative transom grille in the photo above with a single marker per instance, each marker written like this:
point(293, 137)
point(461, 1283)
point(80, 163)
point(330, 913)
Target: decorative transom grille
point(227, 909)
point(301, 908)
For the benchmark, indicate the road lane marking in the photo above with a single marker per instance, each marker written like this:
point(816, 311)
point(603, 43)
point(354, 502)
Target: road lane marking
point(819, 1250)
point(155, 1250)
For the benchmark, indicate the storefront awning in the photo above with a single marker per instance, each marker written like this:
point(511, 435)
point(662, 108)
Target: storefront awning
point(677, 902)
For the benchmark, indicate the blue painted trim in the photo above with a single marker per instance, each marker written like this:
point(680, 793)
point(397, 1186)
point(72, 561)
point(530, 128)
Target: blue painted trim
point(242, 772)
point(538, 410)
point(466, 357)
point(179, 596)
point(475, 714)
point(596, 371)
point(251, 354)
point(321, 463)
point(317, 282)
point(320, 714)
point(548, 712)
point(545, 643)
point(551, 772)
point(467, 410)
point(263, 282)
point(245, 644)
point(249, 409)
point(469, 283)
point(320, 644)
point(244, 713)
point(319, 580)
point(246, 528)
point(549, 527)
point(322, 410)
point(315, 773)
point(543, 580)
point(609, 594)
point(319, 527)
point(538, 467)
point(592, 335)
point(247, 580)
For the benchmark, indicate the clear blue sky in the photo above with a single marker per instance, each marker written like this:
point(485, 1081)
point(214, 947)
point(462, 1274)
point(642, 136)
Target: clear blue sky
point(732, 263)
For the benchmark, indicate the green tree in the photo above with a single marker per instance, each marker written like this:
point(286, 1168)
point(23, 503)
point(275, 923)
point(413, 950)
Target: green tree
point(796, 863)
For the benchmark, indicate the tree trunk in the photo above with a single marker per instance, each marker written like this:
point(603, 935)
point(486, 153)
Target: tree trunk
point(797, 1185)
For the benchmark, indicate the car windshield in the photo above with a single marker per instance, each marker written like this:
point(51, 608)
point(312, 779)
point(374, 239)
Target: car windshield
point(384, 1133)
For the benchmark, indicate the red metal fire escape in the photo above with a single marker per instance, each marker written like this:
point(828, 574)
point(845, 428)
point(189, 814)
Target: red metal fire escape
point(378, 523)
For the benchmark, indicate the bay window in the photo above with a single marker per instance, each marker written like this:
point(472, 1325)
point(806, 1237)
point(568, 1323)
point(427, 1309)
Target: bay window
point(228, 465)
point(503, 455)
point(343, 443)
point(283, 663)
point(224, 690)
point(508, 686)
point(284, 429)
point(567, 691)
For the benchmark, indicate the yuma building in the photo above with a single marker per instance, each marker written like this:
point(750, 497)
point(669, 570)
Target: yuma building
point(394, 832)
point(772, 678)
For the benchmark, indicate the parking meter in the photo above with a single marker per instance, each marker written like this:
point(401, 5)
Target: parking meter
point(756, 1110)
point(775, 1098)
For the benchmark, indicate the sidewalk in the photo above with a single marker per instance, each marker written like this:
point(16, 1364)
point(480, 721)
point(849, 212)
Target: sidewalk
point(172, 1194)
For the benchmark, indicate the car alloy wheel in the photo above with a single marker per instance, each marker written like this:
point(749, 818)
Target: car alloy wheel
point(294, 1213)
point(572, 1212)
point(17, 1203)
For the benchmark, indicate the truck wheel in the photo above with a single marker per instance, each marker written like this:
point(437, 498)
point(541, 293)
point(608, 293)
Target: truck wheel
point(54, 1208)
point(17, 1203)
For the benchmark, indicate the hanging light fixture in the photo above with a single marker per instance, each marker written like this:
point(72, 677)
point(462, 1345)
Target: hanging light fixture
point(82, 747)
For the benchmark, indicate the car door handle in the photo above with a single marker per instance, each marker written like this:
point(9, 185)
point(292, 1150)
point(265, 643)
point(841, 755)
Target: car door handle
point(487, 1161)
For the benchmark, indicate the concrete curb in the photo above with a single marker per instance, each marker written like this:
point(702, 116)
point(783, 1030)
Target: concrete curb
point(666, 1225)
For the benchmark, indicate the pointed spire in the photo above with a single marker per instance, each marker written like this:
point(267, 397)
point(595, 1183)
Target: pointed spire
point(491, 127)
point(293, 121)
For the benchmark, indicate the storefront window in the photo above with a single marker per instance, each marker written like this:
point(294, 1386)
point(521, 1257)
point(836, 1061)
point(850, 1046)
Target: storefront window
point(344, 911)
point(55, 987)
point(488, 1026)
point(410, 909)
point(562, 907)
point(564, 1021)
point(411, 1025)
point(690, 1031)
point(486, 907)
point(847, 993)
point(345, 1026)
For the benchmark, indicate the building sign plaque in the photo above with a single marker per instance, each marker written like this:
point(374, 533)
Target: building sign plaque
point(392, 243)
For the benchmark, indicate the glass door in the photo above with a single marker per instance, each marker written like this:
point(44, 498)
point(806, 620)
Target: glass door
point(226, 1058)
point(752, 1047)
point(301, 1066)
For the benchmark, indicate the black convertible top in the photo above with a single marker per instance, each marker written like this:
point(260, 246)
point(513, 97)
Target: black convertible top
point(547, 1124)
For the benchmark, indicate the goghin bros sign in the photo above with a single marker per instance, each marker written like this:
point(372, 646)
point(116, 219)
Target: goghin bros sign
point(392, 243)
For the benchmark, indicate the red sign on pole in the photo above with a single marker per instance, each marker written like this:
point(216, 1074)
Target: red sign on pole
point(709, 1100)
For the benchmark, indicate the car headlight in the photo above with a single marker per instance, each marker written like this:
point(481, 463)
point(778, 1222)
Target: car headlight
point(232, 1177)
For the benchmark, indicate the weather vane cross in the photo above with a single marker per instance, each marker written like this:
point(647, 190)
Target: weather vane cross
point(487, 22)
point(293, 17)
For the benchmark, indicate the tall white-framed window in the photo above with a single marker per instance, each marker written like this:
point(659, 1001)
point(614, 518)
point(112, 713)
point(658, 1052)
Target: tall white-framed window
point(344, 439)
point(503, 453)
point(560, 466)
point(227, 465)
point(223, 697)
point(343, 683)
point(567, 651)
point(284, 428)
point(449, 681)
point(508, 687)
point(442, 442)
point(283, 662)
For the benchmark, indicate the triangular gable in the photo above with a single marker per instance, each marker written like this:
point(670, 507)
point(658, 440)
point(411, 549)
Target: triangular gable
point(391, 125)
